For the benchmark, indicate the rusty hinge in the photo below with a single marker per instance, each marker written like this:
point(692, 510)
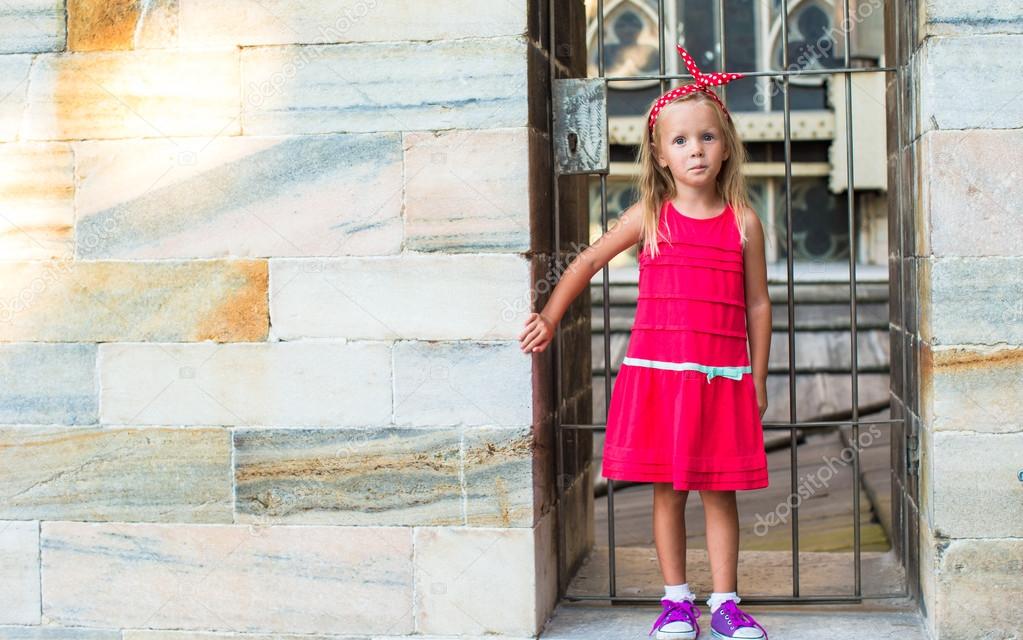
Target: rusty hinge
point(912, 446)
point(580, 126)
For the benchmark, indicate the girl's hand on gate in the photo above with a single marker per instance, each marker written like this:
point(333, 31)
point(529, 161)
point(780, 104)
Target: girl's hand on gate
point(761, 386)
point(538, 333)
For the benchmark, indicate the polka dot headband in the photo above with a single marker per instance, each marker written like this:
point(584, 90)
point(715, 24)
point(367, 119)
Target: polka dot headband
point(703, 81)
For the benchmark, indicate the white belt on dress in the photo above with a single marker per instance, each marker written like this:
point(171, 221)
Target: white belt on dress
point(735, 373)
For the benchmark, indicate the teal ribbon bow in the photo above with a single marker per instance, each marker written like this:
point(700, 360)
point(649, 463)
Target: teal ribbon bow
point(735, 373)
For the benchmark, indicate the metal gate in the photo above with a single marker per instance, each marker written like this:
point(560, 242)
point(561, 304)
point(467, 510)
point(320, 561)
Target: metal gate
point(580, 147)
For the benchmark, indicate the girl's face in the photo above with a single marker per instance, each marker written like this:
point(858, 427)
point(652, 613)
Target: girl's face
point(689, 143)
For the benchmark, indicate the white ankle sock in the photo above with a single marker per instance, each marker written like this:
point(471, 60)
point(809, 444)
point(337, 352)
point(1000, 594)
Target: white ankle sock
point(679, 592)
point(718, 598)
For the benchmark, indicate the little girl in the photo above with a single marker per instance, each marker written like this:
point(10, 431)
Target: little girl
point(686, 408)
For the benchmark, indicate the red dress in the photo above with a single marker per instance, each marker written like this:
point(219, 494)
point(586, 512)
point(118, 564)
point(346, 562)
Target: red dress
point(684, 407)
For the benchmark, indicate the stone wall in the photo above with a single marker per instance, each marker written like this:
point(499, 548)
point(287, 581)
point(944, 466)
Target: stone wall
point(264, 267)
point(963, 333)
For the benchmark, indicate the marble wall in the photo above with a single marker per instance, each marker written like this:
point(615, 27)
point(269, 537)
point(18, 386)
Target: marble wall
point(961, 266)
point(263, 265)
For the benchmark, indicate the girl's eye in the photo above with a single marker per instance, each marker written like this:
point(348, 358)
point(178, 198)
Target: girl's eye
point(709, 136)
point(679, 138)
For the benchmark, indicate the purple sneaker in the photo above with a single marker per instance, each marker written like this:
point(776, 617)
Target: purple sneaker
point(729, 622)
point(677, 621)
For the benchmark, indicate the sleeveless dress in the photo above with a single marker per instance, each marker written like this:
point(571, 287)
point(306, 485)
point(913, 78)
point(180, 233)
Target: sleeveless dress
point(684, 407)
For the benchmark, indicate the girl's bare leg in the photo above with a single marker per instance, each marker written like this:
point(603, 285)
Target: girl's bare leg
point(722, 538)
point(670, 531)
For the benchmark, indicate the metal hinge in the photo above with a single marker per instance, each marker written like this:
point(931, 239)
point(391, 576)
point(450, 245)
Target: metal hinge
point(580, 126)
point(912, 447)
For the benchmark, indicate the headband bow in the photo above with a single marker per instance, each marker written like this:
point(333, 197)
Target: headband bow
point(703, 81)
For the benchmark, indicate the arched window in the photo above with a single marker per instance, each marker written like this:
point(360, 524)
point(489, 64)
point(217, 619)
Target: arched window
point(630, 43)
point(811, 45)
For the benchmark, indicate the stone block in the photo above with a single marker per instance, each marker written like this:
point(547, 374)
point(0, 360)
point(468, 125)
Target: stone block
point(977, 583)
point(255, 22)
point(239, 196)
point(991, 102)
point(499, 477)
point(972, 388)
point(79, 301)
point(970, 17)
point(116, 474)
point(462, 383)
point(972, 178)
point(379, 476)
point(51, 632)
point(301, 384)
point(133, 94)
point(975, 488)
point(971, 300)
point(95, 25)
point(454, 297)
point(13, 91)
point(31, 26)
point(467, 190)
point(37, 200)
point(296, 579)
point(19, 573)
point(459, 84)
point(48, 383)
point(457, 590)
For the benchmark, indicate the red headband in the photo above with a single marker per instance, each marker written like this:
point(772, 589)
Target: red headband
point(703, 81)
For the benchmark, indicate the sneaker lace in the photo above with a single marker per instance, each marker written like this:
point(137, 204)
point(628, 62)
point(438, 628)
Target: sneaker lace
point(740, 616)
point(681, 610)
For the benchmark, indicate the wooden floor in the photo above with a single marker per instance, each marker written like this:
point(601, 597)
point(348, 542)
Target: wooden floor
point(825, 512)
point(825, 525)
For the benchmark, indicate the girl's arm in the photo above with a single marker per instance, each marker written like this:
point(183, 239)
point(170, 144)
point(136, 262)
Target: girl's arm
point(623, 234)
point(758, 305)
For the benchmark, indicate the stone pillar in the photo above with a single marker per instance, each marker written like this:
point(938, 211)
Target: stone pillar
point(964, 268)
point(265, 263)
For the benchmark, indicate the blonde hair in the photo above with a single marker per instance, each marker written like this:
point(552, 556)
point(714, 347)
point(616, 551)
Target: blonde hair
point(655, 184)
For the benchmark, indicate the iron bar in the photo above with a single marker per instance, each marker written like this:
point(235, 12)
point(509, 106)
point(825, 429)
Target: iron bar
point(854, 373)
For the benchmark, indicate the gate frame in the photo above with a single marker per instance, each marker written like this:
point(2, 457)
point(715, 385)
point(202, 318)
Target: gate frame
point(903, 441)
